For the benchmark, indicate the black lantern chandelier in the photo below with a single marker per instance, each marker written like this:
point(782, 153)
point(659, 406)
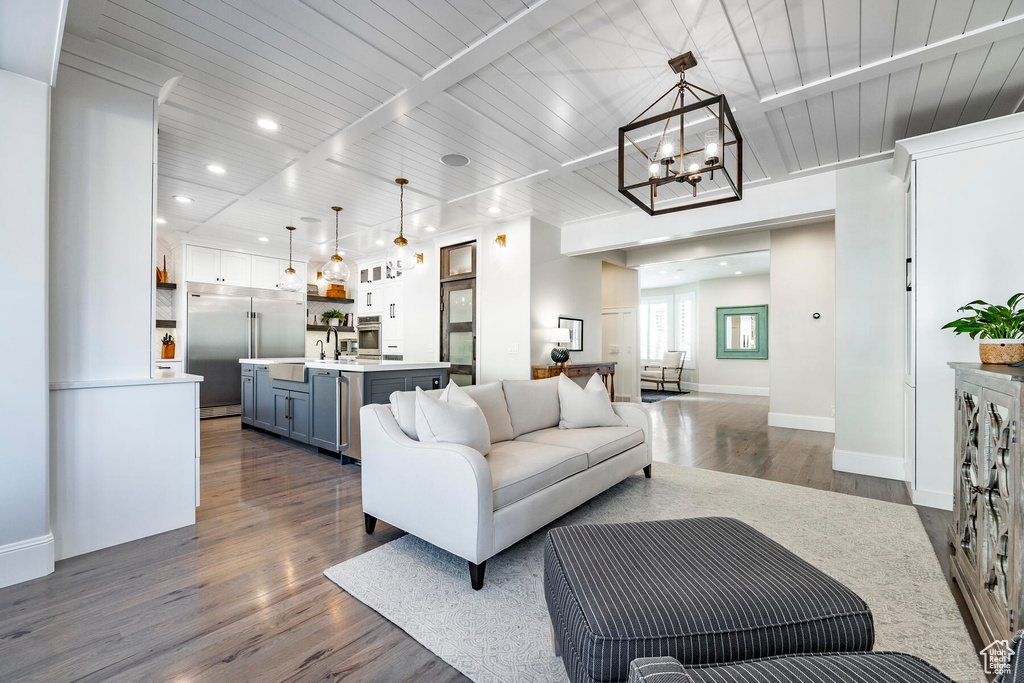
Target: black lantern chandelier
point(689, 156)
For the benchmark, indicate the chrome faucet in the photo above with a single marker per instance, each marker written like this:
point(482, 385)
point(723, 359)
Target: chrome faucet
point(320, 343)
point(337, 350)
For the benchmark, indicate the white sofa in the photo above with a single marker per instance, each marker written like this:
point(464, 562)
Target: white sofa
point(475, 506)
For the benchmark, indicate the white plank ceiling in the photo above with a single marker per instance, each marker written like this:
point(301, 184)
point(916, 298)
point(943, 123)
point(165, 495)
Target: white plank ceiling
point(532, 92)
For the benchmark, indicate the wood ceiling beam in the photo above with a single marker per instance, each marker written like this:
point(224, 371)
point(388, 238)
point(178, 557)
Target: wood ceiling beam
point(521, 28)
point(905, 60)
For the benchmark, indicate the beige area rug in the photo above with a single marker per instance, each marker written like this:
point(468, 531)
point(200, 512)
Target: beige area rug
point(501, 633)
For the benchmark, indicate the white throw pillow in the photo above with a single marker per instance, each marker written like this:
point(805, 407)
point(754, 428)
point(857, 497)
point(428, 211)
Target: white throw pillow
point(491, 399)
point(451, 418)
point(403, 407)
point(532, 404)
point(589, 407)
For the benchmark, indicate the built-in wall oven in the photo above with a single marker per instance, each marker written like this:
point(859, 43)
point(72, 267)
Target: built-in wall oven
point(368, 340)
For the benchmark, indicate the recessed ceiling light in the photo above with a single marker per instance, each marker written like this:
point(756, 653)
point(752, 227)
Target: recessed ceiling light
point(662, 272)
point(214, 168)
point(264, 239)
point(455, 160)
point(267, 124)
point(183, 199)
point(379, 242)
point(676, 277)
point(738, 272)
point(494, 209)
point(309, 219)
point(430, 228)
point(161, 221)
point(723, 263)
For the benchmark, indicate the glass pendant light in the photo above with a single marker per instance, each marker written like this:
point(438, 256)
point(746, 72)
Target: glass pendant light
point(290, 280)
point(401, 257)
point(336, 270)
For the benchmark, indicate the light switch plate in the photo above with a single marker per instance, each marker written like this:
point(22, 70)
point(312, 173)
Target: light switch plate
point(513, 348)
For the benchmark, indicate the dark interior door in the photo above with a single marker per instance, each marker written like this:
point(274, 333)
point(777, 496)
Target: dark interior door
point(458, 311)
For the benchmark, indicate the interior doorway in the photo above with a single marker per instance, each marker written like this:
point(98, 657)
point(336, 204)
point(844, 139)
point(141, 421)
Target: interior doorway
point(458, 311)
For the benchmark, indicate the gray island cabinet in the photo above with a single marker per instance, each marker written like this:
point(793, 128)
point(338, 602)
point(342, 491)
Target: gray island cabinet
point(317, 405)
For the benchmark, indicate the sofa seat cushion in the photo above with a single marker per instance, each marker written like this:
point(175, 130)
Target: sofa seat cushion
point(705, 591)
point(599, 443)
point(520, 468)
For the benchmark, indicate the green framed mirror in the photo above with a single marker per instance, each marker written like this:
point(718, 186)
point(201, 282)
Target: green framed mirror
point(742, 332)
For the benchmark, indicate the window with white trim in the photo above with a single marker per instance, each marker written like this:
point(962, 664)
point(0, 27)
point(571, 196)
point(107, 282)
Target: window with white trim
point(686, 326)
point(655, 328)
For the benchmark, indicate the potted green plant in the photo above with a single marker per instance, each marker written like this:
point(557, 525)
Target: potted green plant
point(999, 329)
point(332, 317)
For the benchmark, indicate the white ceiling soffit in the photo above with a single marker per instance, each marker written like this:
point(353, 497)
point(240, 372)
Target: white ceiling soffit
point(533, 92)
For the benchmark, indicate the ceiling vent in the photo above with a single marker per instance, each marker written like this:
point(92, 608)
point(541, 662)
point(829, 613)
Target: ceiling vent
point(455, 160)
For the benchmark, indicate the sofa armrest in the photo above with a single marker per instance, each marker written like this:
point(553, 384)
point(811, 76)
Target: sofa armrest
point(439, 492)
point(635, 415)
point(657, 670)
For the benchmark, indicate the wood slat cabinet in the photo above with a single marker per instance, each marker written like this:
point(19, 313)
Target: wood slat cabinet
point(986, 534)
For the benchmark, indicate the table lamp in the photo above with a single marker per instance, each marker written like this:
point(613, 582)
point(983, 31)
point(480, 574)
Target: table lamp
point(560, 336)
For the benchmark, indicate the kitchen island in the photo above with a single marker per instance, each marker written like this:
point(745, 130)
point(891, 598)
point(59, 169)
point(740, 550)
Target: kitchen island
point(315, 403)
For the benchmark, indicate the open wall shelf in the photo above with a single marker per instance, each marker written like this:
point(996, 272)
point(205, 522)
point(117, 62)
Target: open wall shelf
point(324, 328)
point(166, 323)
point(166, 285)
point(329, 299)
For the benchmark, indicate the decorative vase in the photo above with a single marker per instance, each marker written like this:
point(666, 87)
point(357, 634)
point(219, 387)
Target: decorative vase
point(560, 355)
point(167, 352)
point(1001, 351)
point(334, 322)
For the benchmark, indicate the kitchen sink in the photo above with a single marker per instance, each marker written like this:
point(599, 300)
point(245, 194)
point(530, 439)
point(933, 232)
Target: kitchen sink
point(291, 372)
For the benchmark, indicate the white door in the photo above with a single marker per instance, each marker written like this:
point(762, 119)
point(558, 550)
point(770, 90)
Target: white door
point(203, 264)
point(620, 343)
point(266, 272)
point(235, 269)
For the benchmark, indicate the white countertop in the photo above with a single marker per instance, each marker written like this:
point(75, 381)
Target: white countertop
point(351, 364)
point(159, 377)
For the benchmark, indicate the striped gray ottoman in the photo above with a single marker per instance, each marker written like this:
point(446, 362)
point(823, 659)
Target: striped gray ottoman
point(703, 591)
point(845, 667)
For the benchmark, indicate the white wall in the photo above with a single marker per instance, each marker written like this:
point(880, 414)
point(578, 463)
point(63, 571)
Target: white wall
point(801, 348)
point(968, 247)
point(870, 234)
point(733, 375)
point(562, 286)
point(620, 287)
point(503, 302)
point(26, 545)
point(101, 229)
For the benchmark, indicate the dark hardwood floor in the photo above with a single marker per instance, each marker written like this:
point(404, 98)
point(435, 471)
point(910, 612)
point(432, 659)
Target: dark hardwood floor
point(241, 595)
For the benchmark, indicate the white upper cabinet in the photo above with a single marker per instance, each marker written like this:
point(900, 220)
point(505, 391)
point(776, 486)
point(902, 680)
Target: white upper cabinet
point(266, 272)
point(203, 264)
point(235, 269)
point(220, 267)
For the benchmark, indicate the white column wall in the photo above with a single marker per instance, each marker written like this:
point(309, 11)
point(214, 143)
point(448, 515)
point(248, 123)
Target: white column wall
point(801, 348)
point(26, 545)
point(870, 235)
point(101, 229)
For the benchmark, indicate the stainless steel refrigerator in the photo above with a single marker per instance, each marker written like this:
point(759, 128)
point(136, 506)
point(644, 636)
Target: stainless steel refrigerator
point(228, 323)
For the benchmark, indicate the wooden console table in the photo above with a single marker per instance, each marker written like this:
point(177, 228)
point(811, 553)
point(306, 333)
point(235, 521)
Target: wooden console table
point(606, 370)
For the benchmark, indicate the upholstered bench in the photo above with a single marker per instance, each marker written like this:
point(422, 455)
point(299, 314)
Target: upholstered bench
point(704, 591)
point(847, 667)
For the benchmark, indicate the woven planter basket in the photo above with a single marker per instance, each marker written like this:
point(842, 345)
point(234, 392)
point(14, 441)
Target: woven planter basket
point(1001, 351)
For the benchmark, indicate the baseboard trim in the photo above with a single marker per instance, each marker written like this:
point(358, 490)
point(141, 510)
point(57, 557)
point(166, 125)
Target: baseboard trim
point(731, 389)
point(931, 499)
point(806, 422)
point(870, 464)
point(26, 560)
